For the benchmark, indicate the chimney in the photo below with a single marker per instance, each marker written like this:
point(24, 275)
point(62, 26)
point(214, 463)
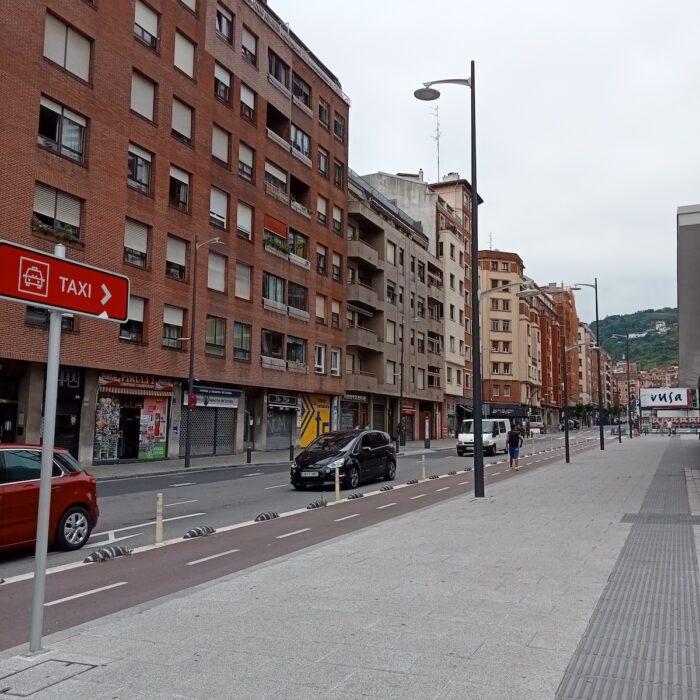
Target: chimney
point(420, 174)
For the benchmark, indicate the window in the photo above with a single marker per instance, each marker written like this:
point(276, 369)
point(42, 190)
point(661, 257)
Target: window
point(321, 210)
point(216, 336)
point(243, 281)
point(321, 259)
point(135, 243)
point(139, 168)
point(452, 281)
point(272, 344)
point(505, 304)
point(452, 343)
point(216, 272)
point(249, 46)
point(337, 219)
point(390, 293)
point(452, 251)
point(452, 312)
point(337, 267)
point(61, 130)
point(505, 267)
point(132, 328)
point(441, 249)
point(301, 90)
point(246, 157)
point(179, 189)
point(461, 317)
point(496, 390)
point(298, 243)
point(296, 350)
point(495, 367)
point(320, 309)
point(222, 83)
point(391, 332)
point(339, 127)
point(461, 258)
point(143, 96)
point(323, 161)
point(335, 362)
point(449, 375)
point(391, 253)
point(459, 377)
point(273, 288)
point(244, 220)
point(401, 257)
point(220, 139)
point(421, 272)
point(506, 390)
point(66, 47)
point(301, 141)
point(275, 233)
point(175, 258)
point(182, 121)
point(218, 208)
point(190, 4)
point(335, 314)
point(224, 24)
point(297, 296)
point(172, 326)
point(278, 69)
point(390, 372)
point(505, 326)
point(146, 24)
point(420, 342)
point(421, 379)
point(320, 359)
point(338, 174)
point(324, 113)
point(38, 316)
point(507, 368)
point(56, 211)
point(247, 103)
point(276, 177)
point(184, 54)
point(242, 334)
point(494, 265)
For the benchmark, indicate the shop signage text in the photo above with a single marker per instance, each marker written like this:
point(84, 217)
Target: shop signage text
point(665, 398)
point(108, 381)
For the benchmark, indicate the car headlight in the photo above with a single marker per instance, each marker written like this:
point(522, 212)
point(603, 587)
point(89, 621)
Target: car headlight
point(336, 464)
point(295, 466)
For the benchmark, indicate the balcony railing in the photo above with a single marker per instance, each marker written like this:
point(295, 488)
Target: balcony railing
point(276, 192)
point(273, 363)
point(279, 140)
point(300, 208)
point(278, 306)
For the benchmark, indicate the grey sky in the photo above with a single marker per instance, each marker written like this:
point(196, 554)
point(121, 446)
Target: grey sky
point(588, 122)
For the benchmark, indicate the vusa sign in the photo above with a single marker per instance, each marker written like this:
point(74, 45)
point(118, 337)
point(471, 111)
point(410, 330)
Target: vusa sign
point(665, 398)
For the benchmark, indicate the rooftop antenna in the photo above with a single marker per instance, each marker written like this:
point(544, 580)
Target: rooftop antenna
point(490, 241)
point(436, 138)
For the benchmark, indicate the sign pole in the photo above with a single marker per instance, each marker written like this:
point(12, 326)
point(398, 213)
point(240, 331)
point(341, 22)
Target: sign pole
point(42, 528)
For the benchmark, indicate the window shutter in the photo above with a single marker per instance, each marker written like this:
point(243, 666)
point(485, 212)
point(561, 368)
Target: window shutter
point(180, 175)
point(225, 13)
point(176, 251)
point(245, 218)
point(68, 209)
point(173, 315)
point(192, 4)
point(247, 96)
point(136, 306)
point(336, 260)
point(78, 54)
point(54, 39)
point(184, 54)
point(217, 272)
point(245, 155)
point(219, 144)
point(50, 104)
point(243, 281)
point(335, 308)
point(337, 214)
point(220, 73)
point(320, 306)
point(182, 118)
point(321, 204)
point(142, 95)
point(77, 118)
point(44, 200)
point(218, 205)
point(275, 171)
point(140, 152)
point(146, 18)
point(249, 41)
point(136, 236)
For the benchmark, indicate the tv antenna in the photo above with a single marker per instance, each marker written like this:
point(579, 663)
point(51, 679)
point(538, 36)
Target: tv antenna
point(436, 138)
point(490, 241)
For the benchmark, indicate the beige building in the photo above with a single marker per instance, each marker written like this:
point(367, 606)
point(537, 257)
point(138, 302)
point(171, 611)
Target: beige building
point(586, 340)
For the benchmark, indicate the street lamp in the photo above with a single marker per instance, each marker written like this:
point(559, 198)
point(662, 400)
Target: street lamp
point(594, 286)
point(626, 336)
point(566, 393)
point(427, 92)
point(190, 379)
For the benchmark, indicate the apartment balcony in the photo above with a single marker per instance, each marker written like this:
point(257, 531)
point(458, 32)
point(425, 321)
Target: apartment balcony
point(365, 338)
point(276, 192)
point(359, 249)
point(433, 324)
point(360, 293)
point(279, 140)
point(431, 394)
point(273, 363)
point(436, 290)
point(300, 208)
point(362, 381)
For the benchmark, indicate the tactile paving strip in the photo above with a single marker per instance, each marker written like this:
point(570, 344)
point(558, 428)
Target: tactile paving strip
point(643, 639)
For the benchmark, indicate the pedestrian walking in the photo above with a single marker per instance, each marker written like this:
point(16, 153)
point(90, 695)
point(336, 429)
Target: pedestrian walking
point(669, 427)
point(515, 442)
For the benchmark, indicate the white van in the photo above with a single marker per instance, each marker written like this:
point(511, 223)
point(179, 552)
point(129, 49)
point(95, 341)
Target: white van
point(494, 435)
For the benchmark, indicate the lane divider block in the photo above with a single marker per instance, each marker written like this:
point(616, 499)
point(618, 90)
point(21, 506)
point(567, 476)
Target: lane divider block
point(269, 515)
point(434, 476)
point(452, 473)
point(412, 481)
point(106, 553)
point(315, 504)
point(352, 496)
point(388, 487)
point(200, 531)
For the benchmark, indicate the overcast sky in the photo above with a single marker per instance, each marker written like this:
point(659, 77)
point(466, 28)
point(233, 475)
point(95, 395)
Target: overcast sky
point(588, 123)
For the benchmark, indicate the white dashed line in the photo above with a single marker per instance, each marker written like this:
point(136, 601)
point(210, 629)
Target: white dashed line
point(463, 483)
point(420, 495)
point(279, 486)
point(296, 532)
point(187, 483)
point(213, 556)
point(80, 595)
point(179, 503)
point(346, 517)
point(387, 505)
point(444, 488)
point(254, 474)
point(495, 474)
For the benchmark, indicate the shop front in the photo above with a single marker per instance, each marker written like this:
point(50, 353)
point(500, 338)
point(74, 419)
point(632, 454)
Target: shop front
point(132, 417)
point(409, 411)
point(69, 401)
point(11, 373)
point(516, 412)
point(354, 411)
point(214, 414)
point(282, 411)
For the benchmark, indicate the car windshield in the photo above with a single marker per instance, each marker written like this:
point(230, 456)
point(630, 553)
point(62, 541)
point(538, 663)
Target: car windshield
point(486, 426)
point(331, 442)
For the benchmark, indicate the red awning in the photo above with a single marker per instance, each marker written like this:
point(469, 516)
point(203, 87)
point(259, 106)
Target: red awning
point(276, 226)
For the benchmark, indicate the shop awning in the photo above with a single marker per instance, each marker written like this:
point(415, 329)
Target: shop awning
point(133, 391)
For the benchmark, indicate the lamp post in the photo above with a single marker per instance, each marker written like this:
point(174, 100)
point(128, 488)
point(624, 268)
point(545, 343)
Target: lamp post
point(626, 336)
point(429, 93)
point(594, 286)
point(190, 378)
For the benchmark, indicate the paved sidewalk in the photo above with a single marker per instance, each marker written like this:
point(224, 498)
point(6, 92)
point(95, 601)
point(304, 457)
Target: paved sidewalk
point(491, 599)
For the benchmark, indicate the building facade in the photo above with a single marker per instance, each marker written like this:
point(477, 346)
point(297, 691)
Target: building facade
point(688, 287)
point(159, 139)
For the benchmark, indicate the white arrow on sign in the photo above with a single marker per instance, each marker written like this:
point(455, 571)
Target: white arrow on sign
point(107, 296)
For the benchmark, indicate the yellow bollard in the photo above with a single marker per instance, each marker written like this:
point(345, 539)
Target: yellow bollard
point(337, 484)
point(159, 518)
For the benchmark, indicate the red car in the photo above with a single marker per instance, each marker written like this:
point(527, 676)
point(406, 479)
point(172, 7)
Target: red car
point(74, 510)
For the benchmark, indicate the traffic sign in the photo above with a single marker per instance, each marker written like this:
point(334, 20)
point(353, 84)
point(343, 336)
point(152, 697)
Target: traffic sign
point(42, 279)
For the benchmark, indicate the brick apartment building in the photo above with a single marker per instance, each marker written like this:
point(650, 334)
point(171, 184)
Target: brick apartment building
point(134, 133)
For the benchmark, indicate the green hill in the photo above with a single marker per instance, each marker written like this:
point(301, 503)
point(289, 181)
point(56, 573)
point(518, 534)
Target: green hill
point(655, 349)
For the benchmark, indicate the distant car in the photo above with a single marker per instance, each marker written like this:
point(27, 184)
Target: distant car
point(538, 426)
point(494, 436)
point(360, 455)
point(74, 511)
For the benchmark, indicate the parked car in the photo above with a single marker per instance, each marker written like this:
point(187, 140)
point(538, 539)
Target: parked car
point(74, 511)
point(360, 455)
point(537, 426)
point(494, 432)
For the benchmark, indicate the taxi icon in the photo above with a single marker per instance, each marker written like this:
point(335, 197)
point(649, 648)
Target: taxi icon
point(33, 277)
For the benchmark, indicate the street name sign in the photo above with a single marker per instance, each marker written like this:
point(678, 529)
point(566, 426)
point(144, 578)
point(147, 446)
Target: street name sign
point(41, 279)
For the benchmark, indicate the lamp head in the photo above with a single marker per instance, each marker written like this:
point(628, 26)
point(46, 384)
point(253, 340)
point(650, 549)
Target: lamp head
point(426, 93)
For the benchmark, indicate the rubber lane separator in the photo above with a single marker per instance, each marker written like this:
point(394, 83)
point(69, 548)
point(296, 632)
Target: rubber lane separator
point(386, 505)
point(84, 593)
point(213, 556)
point(346, 517)
point(296, 532)
point(420, 495)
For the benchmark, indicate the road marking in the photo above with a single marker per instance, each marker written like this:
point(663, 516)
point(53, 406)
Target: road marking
point(136, 527)
point(444, 488)
point(463, 483)
point(187, 483)
point(179, 503)
point(387, 505)
point(279, 486)
point(347, 517)
point(213, 556)
point(254, 474)
point(496, 474)
point(111, 539)
point(81, 595)
point(420, 495)
point(296, 532)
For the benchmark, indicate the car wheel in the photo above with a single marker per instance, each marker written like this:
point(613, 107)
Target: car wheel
point(352, 480)
point(299, 487)
point(460, 453)
point(493, 451)
point(390, 471)
point(73, 528)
